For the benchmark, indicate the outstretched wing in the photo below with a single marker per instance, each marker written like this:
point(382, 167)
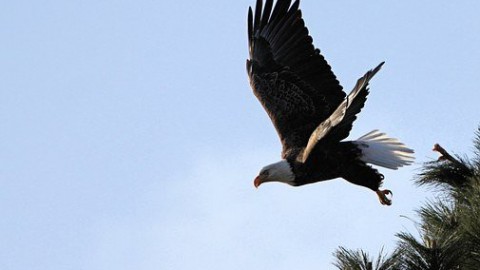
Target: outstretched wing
point(292, 80)
point(338, 125)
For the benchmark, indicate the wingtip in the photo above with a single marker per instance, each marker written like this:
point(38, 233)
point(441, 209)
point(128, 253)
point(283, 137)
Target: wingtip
point(250, 15)
point(250, 24)
point(295, 5)
point(376, 69)
point(380, 65)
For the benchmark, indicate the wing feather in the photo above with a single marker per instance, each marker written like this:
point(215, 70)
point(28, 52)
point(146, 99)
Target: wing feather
point(338, 125)
point(291, 79)
point(266, 13)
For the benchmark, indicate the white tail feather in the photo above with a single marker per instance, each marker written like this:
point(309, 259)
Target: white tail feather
point(379, 149)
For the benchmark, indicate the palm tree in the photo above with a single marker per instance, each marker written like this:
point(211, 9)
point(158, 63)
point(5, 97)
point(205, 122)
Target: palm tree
point(441, 252)
point(360, 260)
point(468, 211)
point(449, 227)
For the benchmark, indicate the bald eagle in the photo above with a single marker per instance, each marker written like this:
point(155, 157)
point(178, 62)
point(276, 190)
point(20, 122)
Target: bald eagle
point(310, 111)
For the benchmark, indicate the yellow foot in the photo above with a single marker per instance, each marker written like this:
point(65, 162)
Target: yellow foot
point(382, 196)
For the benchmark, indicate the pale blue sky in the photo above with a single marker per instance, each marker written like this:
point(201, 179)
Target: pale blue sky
point(130, 136)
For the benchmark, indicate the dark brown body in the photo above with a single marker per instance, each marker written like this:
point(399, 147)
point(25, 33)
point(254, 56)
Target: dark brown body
point(338, 161)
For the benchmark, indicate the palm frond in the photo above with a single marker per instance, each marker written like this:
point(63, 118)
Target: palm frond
point(438, 216)
point(469, 220)
point(441, 252)
point(476, 145)
point(360, 260)
point(446, 174)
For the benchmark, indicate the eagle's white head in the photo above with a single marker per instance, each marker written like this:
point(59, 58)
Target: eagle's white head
point(277, 172)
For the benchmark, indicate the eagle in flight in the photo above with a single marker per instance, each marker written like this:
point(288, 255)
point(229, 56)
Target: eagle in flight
point(309, 109)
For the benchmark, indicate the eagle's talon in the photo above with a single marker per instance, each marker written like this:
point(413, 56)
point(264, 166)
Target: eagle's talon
point(382, 196)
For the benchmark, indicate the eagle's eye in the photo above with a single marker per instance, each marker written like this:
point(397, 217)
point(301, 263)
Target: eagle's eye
point(265, 173)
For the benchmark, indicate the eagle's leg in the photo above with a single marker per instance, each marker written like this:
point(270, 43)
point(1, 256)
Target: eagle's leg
point(382, 196)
